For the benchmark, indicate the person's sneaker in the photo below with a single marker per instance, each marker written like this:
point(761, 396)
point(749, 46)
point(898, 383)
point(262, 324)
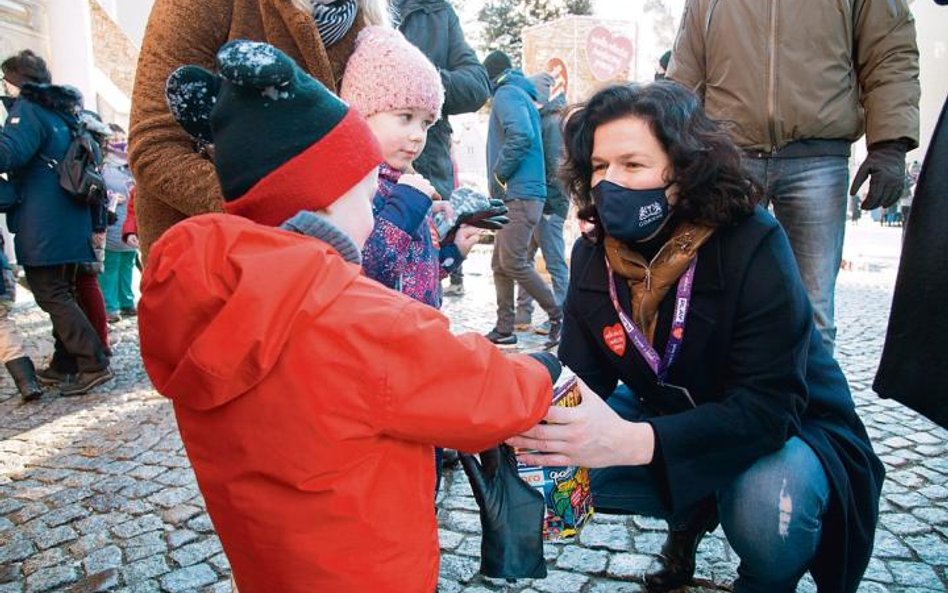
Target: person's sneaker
point(501, 339)
point(543, 329)
point(113, 317)
point(522, 322)
point(85, 382)
point(553, 336)
point(128, 312)
point(51, 377)
point(454, 290)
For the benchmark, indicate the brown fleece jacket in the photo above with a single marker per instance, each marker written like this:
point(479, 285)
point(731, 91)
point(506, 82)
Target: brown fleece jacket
point(175, 181)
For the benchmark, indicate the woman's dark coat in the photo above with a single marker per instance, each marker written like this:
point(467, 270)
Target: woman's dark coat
point(51, 227)
point(433, 27)
point(753, 363)
point(914, 366)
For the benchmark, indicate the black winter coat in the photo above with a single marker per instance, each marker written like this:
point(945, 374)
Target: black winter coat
point(914, 366)
point(754, 365)
point(51, 227)
point(433, 27)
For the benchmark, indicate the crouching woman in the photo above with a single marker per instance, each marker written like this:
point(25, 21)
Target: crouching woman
point(729, 407)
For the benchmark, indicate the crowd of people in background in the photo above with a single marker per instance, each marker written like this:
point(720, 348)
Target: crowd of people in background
point(710, 197)
point(65, 246)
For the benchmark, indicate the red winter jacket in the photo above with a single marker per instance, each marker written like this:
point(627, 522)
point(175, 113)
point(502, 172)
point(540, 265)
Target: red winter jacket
point(309, 397)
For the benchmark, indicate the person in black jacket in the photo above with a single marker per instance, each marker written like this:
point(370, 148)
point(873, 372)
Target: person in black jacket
point(53, 229)
point(730, 406)
point(433, 27)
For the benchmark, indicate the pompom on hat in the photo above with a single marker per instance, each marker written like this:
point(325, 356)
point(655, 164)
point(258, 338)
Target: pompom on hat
point(387, 73)
point(282, 141)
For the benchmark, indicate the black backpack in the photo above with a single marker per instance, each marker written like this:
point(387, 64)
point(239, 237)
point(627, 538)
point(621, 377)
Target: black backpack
point(80, 170)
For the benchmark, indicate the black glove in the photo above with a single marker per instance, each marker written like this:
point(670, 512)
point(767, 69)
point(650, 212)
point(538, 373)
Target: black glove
point(511, 516)
point(885, 168)
point(110, 217)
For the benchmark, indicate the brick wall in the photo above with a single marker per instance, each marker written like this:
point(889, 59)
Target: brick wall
point(114, 53)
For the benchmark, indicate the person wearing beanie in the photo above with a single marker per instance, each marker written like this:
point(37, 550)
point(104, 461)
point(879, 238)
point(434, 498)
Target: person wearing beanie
point(517, 175)
point(397, 89)
point(308, 396)
point(496, 63)
point(663, 65)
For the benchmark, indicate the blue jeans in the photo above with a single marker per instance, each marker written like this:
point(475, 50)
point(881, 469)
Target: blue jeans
point(548, 237)
point(771, 514)
point(808, 195)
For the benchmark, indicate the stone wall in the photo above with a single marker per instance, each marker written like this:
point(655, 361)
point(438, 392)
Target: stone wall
point(114, 53)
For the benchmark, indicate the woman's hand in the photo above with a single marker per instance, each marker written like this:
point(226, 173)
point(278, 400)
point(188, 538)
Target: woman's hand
point(466, 238)
point(418, 182)
point(589, 435)
point(132, 240)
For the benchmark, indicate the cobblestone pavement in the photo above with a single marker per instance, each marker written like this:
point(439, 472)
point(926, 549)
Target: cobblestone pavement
point(96, 493)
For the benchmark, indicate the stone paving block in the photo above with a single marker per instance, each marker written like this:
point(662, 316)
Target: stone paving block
point(458, 568)
point(145, 545)
point(449, 539)
point(877, 571)
point(915, 574)
point(582, 560)
point(137, 526)
point(462, 521)
point(196, 552)
point(43, 560)
point(471, 546)
point(558, 581)
point(171, 497)
point(616, 587)
point(102, 560)
point(65, 514)
point(140, 489)
point(931, 548)
point(220, 563)
point(628, 566)
point(180, 537)
point(903, 524)
point(188, 579)
point(609, 536)
point(51, 579)
point(142, 570)
point(106, 580)
point(180, 513)
point(53, 537)
point(142, 587)
point(201, 524)
point(9, 505)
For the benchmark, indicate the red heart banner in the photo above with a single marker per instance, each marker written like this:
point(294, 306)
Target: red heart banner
point(608, 55)
point(614, 337)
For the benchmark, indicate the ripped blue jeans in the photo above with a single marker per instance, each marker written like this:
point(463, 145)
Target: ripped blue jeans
point(771, 514)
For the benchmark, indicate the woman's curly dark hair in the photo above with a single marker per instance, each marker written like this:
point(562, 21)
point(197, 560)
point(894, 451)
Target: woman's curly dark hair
point(713, 187)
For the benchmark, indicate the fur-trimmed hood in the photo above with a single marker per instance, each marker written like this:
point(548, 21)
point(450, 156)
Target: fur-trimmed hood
point(64, 99)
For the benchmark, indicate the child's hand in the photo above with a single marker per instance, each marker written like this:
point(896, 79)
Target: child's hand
point(444, 207)
point(466, 238)
point(418, 182)
point(132, 240)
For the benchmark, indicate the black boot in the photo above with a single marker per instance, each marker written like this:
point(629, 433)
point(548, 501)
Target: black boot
point(675, 565)
point(24, 375)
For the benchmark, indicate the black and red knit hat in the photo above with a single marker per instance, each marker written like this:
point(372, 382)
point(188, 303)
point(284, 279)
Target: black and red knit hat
point(282, 141)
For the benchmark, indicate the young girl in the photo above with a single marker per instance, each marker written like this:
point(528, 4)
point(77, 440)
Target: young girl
point(394, 86)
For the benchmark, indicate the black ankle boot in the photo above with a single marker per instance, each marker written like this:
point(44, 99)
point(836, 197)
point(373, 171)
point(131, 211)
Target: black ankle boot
point(675, 565)
point(24, 375)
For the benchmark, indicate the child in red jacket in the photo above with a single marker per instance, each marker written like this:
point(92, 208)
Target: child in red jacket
point(308, 397)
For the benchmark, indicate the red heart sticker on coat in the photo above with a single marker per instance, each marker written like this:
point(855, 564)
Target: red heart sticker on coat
point(615, 338)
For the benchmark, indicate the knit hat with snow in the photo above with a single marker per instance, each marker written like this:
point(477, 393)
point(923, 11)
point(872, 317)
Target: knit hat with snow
point(282, 141)
point(386, 73)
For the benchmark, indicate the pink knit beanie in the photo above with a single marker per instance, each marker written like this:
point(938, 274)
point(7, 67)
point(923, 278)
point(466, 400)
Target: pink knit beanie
point(386, 73)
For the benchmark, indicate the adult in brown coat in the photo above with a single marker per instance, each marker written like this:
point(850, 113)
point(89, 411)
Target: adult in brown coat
point(175, 177)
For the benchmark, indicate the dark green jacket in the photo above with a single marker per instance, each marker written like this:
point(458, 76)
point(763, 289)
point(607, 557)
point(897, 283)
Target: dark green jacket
point(433, 27)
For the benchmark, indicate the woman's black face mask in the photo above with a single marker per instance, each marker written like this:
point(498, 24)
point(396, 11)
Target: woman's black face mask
point(630, 215)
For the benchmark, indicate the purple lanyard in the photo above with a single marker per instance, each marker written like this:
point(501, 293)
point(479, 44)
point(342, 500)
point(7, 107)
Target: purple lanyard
point(658, 365)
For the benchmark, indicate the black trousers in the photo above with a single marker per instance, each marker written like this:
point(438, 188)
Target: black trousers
point(77, 346)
